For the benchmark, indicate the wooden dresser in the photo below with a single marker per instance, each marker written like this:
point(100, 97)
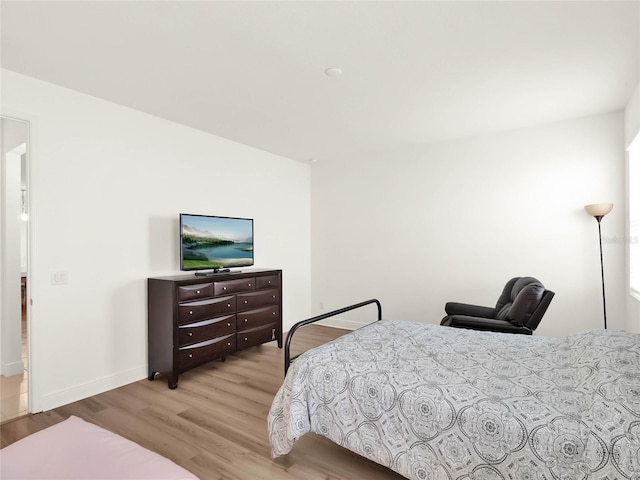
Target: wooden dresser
point(193, 320)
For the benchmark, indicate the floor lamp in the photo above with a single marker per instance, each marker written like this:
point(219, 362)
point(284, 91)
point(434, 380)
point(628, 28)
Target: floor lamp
point(598, 211)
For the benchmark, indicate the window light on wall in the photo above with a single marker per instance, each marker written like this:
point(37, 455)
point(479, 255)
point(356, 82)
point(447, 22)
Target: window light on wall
point(634, 217)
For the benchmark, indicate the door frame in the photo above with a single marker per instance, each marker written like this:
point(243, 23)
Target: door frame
point(33, 399)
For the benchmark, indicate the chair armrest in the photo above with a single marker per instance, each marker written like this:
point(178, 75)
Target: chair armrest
point(487, 324)
point(454, 308)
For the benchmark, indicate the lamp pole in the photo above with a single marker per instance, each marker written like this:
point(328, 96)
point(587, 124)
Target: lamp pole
point(598, 211)
point(604, 301)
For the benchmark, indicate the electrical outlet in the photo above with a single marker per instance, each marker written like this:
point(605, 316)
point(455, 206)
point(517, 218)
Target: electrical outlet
point(59, 278)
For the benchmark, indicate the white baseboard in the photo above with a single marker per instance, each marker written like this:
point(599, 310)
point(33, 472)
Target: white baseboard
point(79, 392)
point(12, 368)
point(337, 322)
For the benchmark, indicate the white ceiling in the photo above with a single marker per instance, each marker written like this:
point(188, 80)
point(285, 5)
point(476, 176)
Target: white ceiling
point(414, 72)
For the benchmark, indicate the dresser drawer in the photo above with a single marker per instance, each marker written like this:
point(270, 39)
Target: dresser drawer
point(258, 317)
point(190, 333)
point(204, 309)
point(193, 355)
point(194, 292)
point(267, 281)
point(260, 298)
point(256, 336)
point(235, 286)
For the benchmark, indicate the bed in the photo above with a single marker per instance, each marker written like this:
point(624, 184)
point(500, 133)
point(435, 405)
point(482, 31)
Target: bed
point(434, 402)
point(76, 449)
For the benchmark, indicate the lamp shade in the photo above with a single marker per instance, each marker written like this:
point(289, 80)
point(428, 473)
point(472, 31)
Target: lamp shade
point(598, 209)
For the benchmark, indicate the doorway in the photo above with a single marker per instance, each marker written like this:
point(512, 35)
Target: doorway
point(14, 269)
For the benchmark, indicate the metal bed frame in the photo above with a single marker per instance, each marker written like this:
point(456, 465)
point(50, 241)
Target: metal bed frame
point(288, 359)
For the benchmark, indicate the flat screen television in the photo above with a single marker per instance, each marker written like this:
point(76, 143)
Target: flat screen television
point(218, 243)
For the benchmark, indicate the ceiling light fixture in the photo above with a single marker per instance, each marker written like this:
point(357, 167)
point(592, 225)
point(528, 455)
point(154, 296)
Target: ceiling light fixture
point(333, 72)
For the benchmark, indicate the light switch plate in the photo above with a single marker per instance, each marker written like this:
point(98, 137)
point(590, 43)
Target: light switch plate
point(59, 278)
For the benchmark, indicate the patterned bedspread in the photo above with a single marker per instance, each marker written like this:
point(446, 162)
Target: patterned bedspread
point(442, 403)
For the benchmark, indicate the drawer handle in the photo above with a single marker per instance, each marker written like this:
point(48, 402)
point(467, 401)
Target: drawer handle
point(228, 324)
point(273, 313)
point(273, 296)
point(191, 355)
point(190, 312)
point(245, 320)
point(245, 339)
point(246, 301)
point(229, 305)
point(224, 288)
point(269, 282)
point(190, 334)
point(197, 291)
point(228, 344)
point(249, 285)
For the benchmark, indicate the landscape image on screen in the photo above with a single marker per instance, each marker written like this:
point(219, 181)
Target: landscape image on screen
point(215, 242)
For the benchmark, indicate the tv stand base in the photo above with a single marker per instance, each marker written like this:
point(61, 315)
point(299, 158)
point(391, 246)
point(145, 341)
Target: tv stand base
point(216, 272)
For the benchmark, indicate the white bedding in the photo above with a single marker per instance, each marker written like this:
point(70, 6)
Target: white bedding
point(443, 403)
point(78, 450)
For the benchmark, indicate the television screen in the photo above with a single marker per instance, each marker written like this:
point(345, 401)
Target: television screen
point(215, 242)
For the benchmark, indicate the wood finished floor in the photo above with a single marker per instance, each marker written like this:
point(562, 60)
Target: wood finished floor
point(13, 390)
point(215, 423)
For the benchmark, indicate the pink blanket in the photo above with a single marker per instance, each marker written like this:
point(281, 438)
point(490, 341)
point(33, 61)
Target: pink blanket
point(75, 449)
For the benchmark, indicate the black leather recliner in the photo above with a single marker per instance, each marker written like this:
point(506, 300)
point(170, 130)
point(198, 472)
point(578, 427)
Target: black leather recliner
point(519, 309)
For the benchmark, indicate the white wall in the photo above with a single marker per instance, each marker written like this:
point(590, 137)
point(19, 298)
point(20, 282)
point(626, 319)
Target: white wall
point(107, 185)
point(632, 117)
point(632, 130)
point(454, 221)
